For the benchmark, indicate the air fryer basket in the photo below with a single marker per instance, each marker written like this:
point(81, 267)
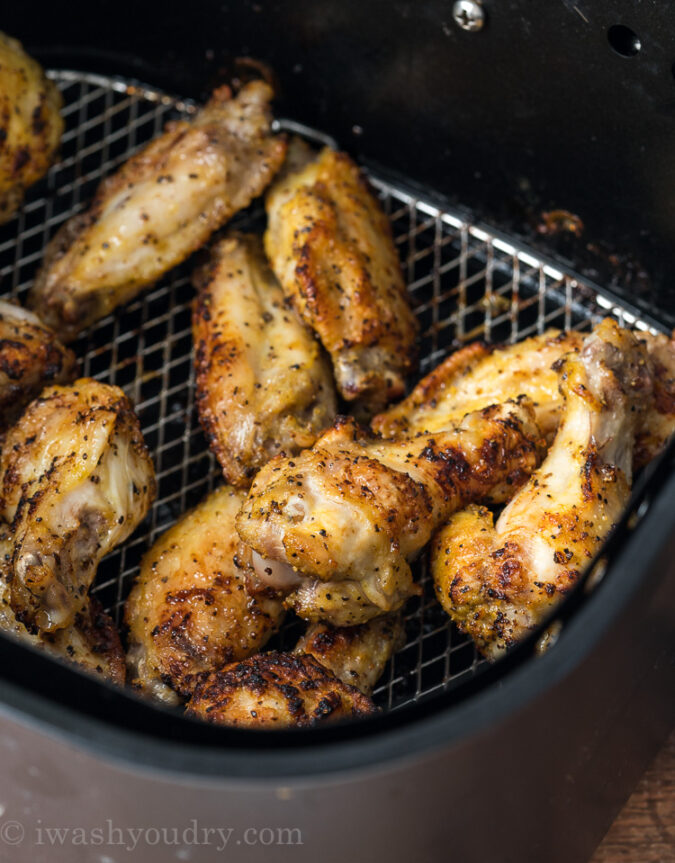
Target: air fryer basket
point(465, 283)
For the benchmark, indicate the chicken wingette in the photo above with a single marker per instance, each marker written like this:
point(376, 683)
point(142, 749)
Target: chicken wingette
point(263, 383)
point(328, 676)
point(75, 481)
point(30, 124)
point(330, 245)
point(31, 358)
point(497, 582)
point(336, 527)
point(158, 208)
point(478, 375)
point(92, 642)
point(189, 611)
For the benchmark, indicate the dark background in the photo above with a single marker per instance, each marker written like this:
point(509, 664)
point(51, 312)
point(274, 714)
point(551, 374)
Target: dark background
point(536, 113)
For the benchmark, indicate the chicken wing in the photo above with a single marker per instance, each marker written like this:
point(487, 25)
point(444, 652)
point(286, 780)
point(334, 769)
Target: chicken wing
point(479, 375)
point(75, 481)
point(30, 124)
point(158, 208)
point(336, 526)
point(277, 690)
point(498, 582)
point(189, 611)
point(328, 676)
point(263, 384)
point(92, 642)
point(331, 247)
point(31, 358)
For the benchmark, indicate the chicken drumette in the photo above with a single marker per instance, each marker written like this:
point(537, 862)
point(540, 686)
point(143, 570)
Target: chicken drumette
point(189, 611)
point(498, 581)
point(331, 247)
point(336, 526)
point(263, 384)
point(158, 208)
point(75, 480)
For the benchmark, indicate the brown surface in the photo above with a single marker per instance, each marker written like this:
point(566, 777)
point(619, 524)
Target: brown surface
point(644, 832)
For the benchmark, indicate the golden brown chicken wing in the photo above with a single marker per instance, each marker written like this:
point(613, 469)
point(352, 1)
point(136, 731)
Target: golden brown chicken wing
point(277, 690)
point(30, 124)
point(263, 384)
point(479, 375)
point(497, 582)
point(75, 481)
point(31, 358)
point(331, 247)
point(189, 611)
point(336, 526)
point(656, 424)
point(158, 208)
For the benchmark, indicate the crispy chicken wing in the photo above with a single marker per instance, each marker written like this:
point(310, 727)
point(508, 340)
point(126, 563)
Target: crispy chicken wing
point(92, 642)
point(277, 690)
point(189, 611)
point(337, 525)
point(31, 357)
point(158, 208)
point(263, 384)
point(497, 582)
point(479, 375)
point(328, 676)
point(30, 124)
point(331, 247)
point(75, 480)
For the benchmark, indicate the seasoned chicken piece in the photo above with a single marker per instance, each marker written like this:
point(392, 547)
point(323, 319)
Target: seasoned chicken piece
point(92, 642)
point(263, 384)
point(657, 423)
point(189, 611)
point(498, 582)
point(355, 654)
point(75, 481)
point(31, 357)
point(331, 247)
point(277, 690)
point(158, 208)
point(30, 124)
point(337, 525)
point(479, 375)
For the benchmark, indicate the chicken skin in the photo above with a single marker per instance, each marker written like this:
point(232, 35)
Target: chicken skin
point(328, 676)
point(497, 582)
point(657, 423)
point(92, 642)
point(263, 384)
point(277, 690)
point(479, 375)
point(331, 247)
point(31, 358)
point(158, 208)
point(336, 526)
point(75, 481)
point(189, 611)
point(30, 124)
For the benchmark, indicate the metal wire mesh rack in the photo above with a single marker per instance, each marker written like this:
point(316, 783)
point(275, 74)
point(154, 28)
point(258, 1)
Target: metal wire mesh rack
point(465, 283)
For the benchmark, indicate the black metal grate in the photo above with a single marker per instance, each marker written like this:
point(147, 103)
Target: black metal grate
point(465, 283)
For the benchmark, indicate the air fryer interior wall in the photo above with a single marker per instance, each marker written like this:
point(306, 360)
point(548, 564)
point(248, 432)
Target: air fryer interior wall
point(400, 85)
